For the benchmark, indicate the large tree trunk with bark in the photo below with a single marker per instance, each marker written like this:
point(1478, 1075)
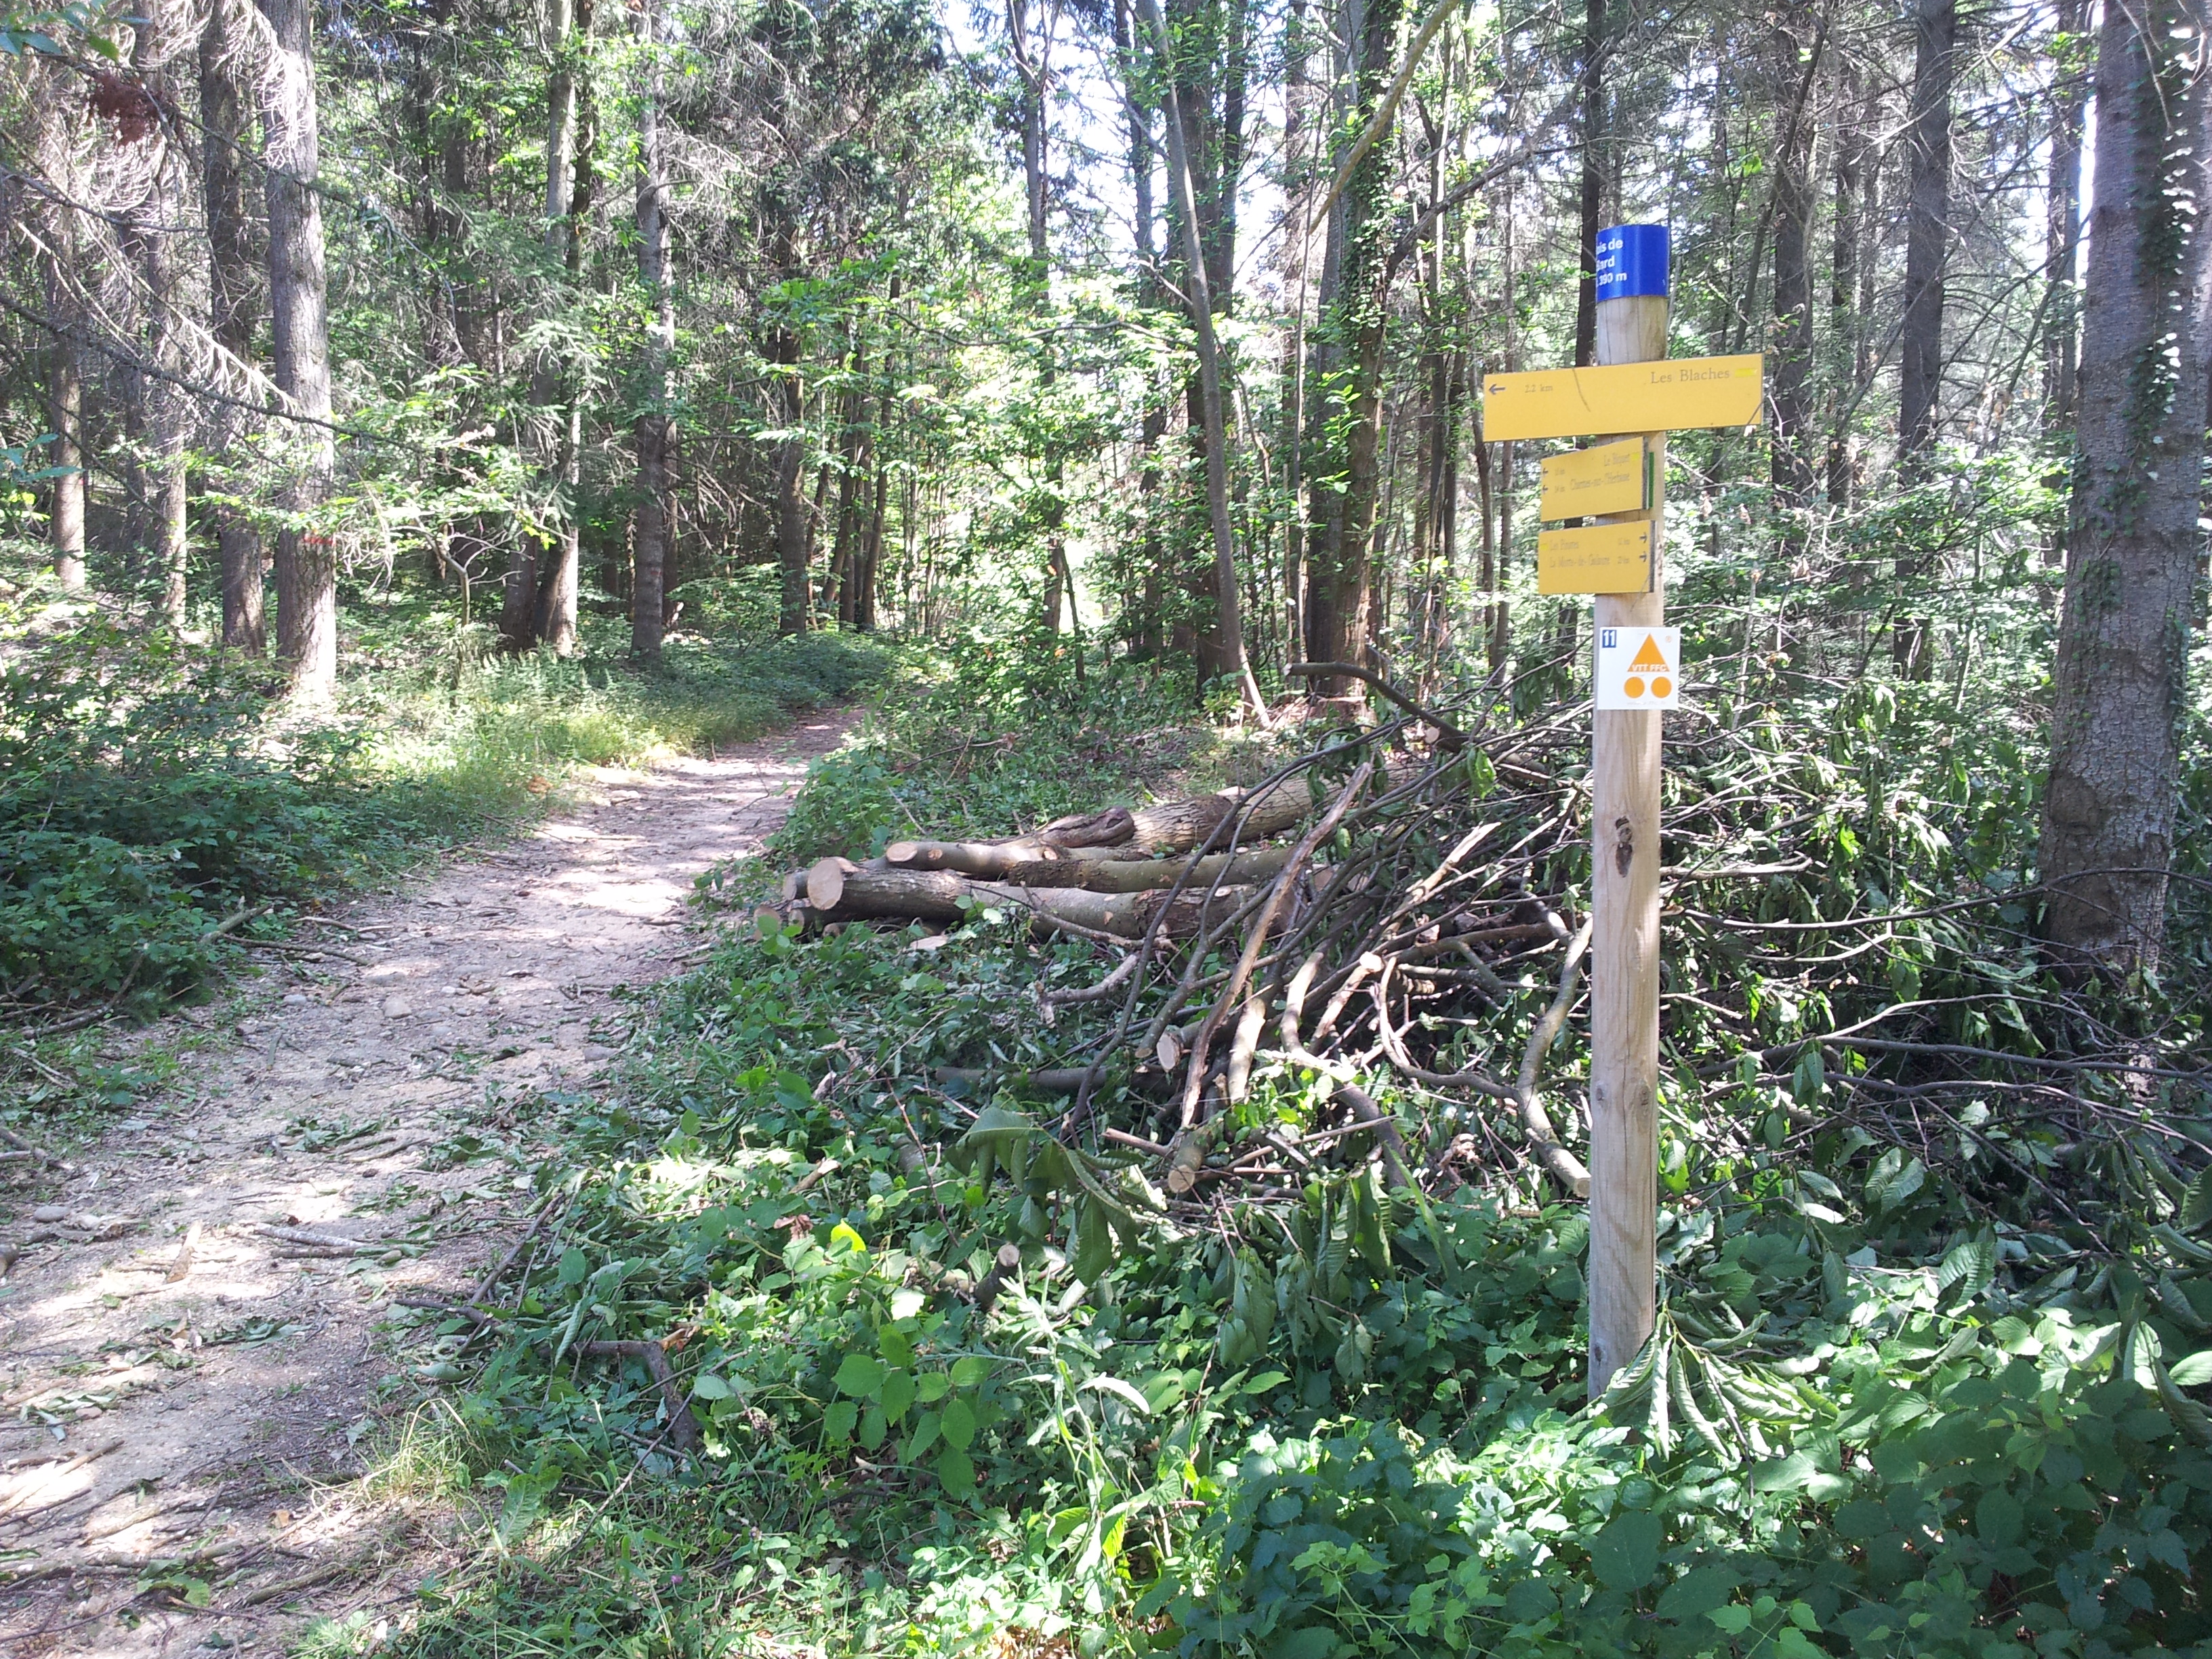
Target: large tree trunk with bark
point(2133, 541)
point(233, 293)
point(306, 563)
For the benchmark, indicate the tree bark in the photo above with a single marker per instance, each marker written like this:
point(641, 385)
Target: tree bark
point(232, 298)
point(519, 611)
point(2133, 542)
point(1927, 224)
point(1228, 600)
point(876, 894)
point(2062, 245)
point(1591, 197)
point(65, 400)
point(1347, 467)
point(1166, 828)
point(307, 565)
point(1795, 46)
point(655, 430)
point(1845, 255)
point(1927, 251)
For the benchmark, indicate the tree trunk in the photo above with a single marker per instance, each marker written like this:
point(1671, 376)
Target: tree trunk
point(158, 414)
point(233, 297)
point(1228, 600)
point(1345, 440)
point(655, 430)
point(1795, 46)
point(519, 610)
point(2132, 541)
point(2062, 243)
point(788, 394)
point(306, 563)
point(1926, 247)
point(1845, 257)
point(1592, 197)
point(65, 523)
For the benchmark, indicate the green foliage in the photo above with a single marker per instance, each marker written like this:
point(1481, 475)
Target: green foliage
point(987, 739)
point(1898, 1402)
point(146, 794)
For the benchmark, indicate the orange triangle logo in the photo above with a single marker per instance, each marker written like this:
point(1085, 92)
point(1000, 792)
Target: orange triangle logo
point(1649, 657)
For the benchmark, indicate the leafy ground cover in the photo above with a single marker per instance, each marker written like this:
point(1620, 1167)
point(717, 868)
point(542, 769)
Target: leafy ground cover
point(1943, 1396)
point(150, 793)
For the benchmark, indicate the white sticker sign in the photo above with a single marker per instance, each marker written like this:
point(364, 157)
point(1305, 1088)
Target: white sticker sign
point(1639, 667)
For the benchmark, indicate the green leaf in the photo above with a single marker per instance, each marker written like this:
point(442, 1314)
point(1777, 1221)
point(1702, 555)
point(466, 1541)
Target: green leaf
point(957, 1474)
point(970, 1369)
point(2194, 1371)
point(929, 1388)
point(1314, 1641)
point(897, 1393)
point(861, 1376)
point(838, 1422)
point(958, 1424)
point(2197, 1203)
point(707, 1385)
point(1972, 1265)
point(1735, 1619)
point(1625, 1552)
point(1997, 1518)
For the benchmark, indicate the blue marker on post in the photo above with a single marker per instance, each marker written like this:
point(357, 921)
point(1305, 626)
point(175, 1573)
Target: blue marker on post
point(1631, 260)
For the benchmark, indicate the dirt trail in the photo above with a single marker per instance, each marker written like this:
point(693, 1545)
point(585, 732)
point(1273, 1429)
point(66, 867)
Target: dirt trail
point(186, 1395)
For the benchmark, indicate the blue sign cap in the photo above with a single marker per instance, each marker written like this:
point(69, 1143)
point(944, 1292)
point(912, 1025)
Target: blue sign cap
point(1631, 259)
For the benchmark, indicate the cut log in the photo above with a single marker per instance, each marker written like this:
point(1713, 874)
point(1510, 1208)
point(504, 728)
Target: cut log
point(1108, 828)
point(1175, 826)
point(825, 880)
point(865, 894)
point(1125, 875)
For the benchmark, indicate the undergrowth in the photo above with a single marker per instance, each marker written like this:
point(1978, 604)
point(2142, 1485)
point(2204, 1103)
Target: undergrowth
point(151, 791)
point(1898, 1402)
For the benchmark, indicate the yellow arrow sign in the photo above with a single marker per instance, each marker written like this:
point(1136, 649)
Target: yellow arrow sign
point(1583, 482)
point(1661, 397)
point(1602, 558)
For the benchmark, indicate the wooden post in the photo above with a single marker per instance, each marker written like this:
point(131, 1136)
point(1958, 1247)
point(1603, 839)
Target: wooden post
point(1625, 886)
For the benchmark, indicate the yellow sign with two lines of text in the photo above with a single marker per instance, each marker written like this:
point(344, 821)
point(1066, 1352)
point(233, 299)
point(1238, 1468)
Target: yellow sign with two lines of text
point(1599, 558)
point(1669, 395)
point(1585, 482)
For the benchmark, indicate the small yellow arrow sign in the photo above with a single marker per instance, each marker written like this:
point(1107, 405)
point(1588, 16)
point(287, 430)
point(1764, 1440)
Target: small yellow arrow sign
point(1584, 483)
point(1602, 558)
point(1666, 396)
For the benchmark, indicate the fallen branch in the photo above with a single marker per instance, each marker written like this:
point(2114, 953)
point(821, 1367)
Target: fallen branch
point(681, 1428)
point(1170, 827)
point(1366, 1112)
point(1448, 735)
point(1543, 1141)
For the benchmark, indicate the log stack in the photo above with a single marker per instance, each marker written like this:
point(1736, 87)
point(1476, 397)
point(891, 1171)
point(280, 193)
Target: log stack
point(1186, 864)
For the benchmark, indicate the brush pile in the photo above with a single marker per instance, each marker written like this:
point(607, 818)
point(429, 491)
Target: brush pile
point(1363, 909)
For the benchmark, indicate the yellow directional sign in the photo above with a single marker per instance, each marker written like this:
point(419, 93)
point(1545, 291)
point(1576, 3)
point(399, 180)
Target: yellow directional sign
point(1584, 483)
point(1603, 558)
point(1665, 396)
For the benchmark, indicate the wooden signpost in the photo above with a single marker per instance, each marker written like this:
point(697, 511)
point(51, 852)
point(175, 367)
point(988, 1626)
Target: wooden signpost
point(1635, 388)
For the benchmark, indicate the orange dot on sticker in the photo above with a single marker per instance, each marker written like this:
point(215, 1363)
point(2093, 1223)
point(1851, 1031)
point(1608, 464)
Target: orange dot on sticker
point(1631, 687)
point(1662, 686)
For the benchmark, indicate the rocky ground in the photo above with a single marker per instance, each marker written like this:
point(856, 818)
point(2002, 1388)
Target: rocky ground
point(197, 1327)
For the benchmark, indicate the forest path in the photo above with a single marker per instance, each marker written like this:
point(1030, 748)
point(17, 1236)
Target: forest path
point(186, 1397)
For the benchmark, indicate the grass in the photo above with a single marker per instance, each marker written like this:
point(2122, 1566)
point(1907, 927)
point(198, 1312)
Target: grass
point(151, 790)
